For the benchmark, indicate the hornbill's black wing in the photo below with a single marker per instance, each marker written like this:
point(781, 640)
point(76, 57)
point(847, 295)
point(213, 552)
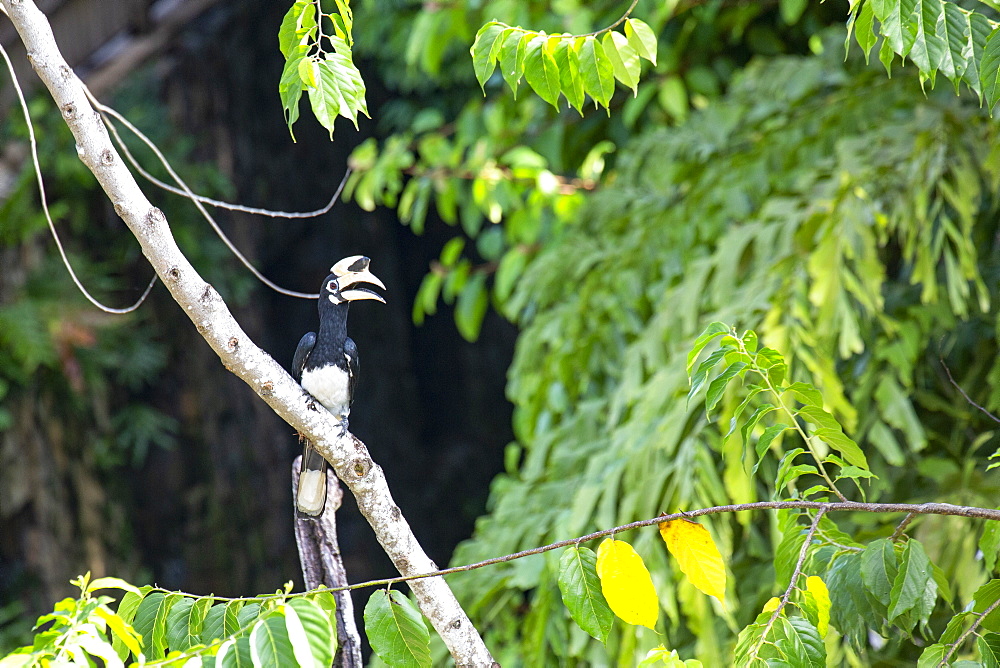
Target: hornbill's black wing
point(306, 345)
point(310, 497)
point(351, 351)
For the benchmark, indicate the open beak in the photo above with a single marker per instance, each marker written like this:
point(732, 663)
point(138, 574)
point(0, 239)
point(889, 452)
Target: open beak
point(353, 270)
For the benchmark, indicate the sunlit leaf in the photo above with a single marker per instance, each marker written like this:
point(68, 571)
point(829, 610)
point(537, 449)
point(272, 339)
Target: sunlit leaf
point(596, 70)
point(641, 38)
point(626, 583)
point(697, 556)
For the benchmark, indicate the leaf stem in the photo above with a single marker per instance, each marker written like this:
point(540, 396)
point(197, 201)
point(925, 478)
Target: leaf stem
point(791, 584)
point(795, 423)
point(614, 25)
point(961, 639)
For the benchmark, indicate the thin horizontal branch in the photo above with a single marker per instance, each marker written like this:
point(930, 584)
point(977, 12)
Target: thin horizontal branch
point(851, 506)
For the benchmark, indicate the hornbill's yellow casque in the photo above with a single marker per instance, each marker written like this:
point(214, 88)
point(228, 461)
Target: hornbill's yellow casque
point(326, 365)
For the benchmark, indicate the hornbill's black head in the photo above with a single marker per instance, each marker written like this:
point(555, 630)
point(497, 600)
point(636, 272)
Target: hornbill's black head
point(341, 285)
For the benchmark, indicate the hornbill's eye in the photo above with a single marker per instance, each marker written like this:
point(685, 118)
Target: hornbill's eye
point(332, 286)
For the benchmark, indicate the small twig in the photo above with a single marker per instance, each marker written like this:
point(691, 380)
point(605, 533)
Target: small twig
point(791, 584)
point(214, 202)
point(916, 509)
point(967, 397)
point(108, 111)
point(902, 527)
point(45, 204)
point(852, 506)
point(975, 625)
point(614, 25)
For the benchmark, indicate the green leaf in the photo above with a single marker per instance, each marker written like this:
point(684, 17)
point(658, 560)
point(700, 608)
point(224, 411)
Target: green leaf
point(850, 612)
point(470, 308)
point(980, 28)
point(701, 375)
point(953, 29)
point(127, 611)
point(928, 49)
point(290, 86)
point(988, 645)
point(805, 393)
point(802, 644)
point(596, 70)
point(897, 409)
point(111, 583)
point(214, 625)
point(985, 596)
point(511, 266)
point(236, 654)
point(791, 10)
point(885, 55)
point(899, 32)
point(510, 66)
point(864, 31)
point(989, 544)
point(624, 59)
point(641, 38)
point(246, 616)
point(581, 592)
point(232, 617)
point(765, 440)
point(881, 8)
point(845, 445)
point(570, 82)
point(751, 423)
point(787, 472)
point(145, 618)
point(957, 626)
point(339, 91)
point(879, 567)
point(989, 69)
point(269, 643)
point(396, 630)
point(299, 21)
point(713, 331)
point(540, 69)
point(911, 582)
point(483, 59)
point(718, 386)
point(311, 633)
point(159, 633)
point(933, 656)
point(183, 625)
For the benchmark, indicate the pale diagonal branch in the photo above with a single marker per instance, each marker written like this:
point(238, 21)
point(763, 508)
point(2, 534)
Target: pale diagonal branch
point(238, 353)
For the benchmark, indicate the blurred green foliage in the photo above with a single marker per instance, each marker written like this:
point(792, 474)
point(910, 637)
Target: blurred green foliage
point(79, 380)
point(849, 219)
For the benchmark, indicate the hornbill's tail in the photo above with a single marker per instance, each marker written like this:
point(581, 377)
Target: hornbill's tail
point(311, 495)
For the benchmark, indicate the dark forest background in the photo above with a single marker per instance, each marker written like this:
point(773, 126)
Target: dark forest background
point(77, 494)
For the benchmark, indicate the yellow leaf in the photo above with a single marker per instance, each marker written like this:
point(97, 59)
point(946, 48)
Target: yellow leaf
point(626, 584)
point(816, 587)
point(772, 604)
point(696, 554)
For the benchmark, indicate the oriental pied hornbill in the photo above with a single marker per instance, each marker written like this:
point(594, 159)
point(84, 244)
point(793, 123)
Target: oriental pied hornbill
point(326, 365)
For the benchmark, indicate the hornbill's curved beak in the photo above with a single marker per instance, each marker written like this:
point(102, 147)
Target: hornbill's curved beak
point(353, 270)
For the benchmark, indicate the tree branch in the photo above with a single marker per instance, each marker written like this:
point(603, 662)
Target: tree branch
point(852, 506)
point(238, 353)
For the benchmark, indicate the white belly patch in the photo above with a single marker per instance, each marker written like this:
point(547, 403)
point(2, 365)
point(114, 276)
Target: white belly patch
point(329, 385)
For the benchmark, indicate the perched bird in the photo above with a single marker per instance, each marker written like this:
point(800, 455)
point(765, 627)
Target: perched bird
point(326, 366)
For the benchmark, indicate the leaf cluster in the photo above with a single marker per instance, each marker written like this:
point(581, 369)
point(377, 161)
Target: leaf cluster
point(320, 64)
point(792, 207)
point(938, 36)
point(568, 65)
